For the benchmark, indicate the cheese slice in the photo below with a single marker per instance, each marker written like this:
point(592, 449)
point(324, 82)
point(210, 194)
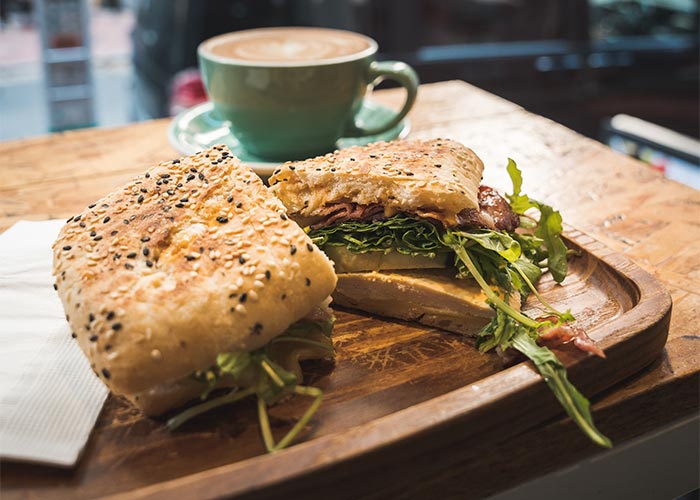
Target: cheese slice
point(432, 297)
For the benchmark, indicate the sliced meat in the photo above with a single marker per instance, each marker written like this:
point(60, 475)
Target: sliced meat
point(494, 212)
point(563, 334)
point(345, 211)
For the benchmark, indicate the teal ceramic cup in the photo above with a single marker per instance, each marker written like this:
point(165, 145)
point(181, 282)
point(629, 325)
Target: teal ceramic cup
point(283, 102)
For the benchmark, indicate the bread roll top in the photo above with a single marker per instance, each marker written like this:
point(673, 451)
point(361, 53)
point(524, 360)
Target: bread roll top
point(193, 258)
point(434, 178)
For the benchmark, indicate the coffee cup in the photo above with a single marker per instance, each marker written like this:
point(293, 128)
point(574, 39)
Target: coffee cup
point(291, 93)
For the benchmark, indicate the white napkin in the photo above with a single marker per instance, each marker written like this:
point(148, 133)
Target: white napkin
point(49, 396)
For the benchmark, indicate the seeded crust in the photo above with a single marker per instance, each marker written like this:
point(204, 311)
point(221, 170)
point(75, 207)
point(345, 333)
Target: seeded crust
point(435, 178)
point(193, 258)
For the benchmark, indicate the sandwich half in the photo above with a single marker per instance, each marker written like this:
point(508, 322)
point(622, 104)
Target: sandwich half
point(191, 278)
point(380, 212)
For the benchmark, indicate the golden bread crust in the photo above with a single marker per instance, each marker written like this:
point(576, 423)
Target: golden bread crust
point(194, 258)
point(434, 178)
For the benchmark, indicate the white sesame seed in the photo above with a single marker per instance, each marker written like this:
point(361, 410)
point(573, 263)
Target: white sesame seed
point(240, 308)
point(156, 354)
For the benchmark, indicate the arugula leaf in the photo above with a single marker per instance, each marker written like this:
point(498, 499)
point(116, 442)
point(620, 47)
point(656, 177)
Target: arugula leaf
point(548, 227)
point(554, 374)
point(402, 233)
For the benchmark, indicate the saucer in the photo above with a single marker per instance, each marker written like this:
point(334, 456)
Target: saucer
point(198, 128)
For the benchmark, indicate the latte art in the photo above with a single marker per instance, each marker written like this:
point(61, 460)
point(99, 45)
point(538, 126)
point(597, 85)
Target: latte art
point(287, 45)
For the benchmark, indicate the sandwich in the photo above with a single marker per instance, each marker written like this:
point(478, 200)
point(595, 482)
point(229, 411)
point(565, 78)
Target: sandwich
point(191, 281)
point(414, 235)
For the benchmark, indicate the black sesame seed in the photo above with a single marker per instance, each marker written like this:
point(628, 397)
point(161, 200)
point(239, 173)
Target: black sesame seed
point(229, 199)
point(146, 238)
point(256, 329)
point(194, 170)
point(170, 192)
point(243, 298)
point(308, 282)
point(110, 315)
point(105, 373)
point(293, 249)
point(190, 177)
point(126, 222)
point(116, 327)
point(91, 317)
point(106, 220)
point(190, 257)
point(128, 266)
point(145, 252)
point(291, 167)
point(73, 335)
point(82, 224)
point(77, 218)
point(309, 247)
point(184, 200)
point(268, 274)
point(283, 216)
point(239, 204)
point(143, 190)
point(55, 286)
point(92, 206)
point(222, 220)
point(93, 233)
point(97, 238)
point(165, 181)
point(201, 176)
point(108, 347)
point(67, 247)
point(175, 162)
point(284, 296)
point(93, 338)
point(179, 205)
point(114, 233)
point(232, 295)
point(149, 263)
point(148, 175)
point(241, 259)
point(131, 255)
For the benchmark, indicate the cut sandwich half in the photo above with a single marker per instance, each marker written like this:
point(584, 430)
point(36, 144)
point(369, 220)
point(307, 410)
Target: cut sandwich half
point(380, 211)
point(191, 278)
point(415, 236)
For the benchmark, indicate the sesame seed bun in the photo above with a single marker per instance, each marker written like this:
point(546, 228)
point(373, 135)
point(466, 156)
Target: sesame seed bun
point(434, 178)
point(193, 258)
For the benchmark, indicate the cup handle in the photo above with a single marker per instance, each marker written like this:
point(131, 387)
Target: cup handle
point(399, 72)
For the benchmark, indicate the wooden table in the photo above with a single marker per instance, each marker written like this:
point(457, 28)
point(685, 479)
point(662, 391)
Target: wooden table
point(617, 200)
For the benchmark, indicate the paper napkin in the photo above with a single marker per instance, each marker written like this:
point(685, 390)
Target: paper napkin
point(49, 396)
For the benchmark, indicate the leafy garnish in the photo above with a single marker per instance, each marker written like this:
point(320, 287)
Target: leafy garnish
point(261, 373)
point(548, 228)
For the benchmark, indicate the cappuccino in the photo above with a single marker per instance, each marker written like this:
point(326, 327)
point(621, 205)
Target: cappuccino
point(289, 46)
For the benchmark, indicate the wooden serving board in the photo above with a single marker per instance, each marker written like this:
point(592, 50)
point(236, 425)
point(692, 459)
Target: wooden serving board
point(400, 401)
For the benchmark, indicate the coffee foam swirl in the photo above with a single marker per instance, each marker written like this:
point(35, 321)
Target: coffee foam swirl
point(282, 45)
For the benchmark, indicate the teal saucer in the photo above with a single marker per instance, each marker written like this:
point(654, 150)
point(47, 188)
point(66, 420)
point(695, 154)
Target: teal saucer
point(198, 128)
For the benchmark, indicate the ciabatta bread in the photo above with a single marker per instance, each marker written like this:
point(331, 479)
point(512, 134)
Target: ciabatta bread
point(436, 178)
point(193, 258)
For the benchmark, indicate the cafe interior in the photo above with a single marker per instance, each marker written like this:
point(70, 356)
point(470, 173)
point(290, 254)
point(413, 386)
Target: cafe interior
point(620, 75)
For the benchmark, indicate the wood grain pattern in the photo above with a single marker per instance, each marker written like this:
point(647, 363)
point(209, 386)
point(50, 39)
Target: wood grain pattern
point(616, 200)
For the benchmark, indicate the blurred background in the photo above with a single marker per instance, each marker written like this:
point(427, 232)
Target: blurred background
point(625, 72)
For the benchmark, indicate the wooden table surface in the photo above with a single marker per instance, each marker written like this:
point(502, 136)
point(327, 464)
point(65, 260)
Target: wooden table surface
point(617, 200)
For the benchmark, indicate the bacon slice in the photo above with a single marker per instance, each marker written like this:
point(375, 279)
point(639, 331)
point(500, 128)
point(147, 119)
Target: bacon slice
point(566, 333)
point(494, 213)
